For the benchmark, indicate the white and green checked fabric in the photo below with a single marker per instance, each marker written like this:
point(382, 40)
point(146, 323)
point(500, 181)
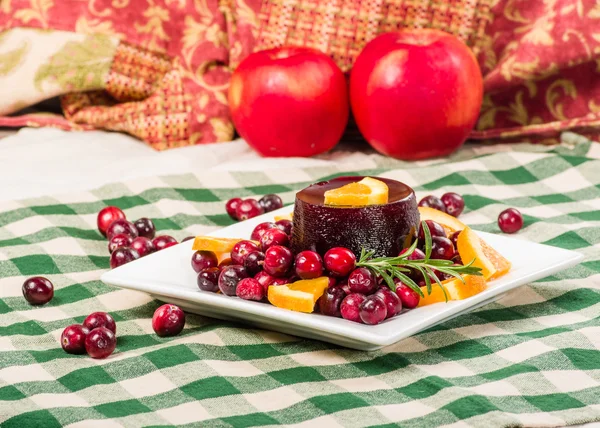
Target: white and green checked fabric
point(532, 359)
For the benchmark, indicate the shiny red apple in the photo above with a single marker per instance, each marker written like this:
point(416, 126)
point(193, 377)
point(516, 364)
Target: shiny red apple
point(289, 101)
point(416, 93)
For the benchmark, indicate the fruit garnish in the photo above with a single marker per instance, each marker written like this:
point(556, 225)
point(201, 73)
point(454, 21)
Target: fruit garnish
point(449, 223)
point(510, 220)
point(455, 290)
point(214, 244)
point(299, 296)
point(367, 191)
point(289, 216)
point(471, 247)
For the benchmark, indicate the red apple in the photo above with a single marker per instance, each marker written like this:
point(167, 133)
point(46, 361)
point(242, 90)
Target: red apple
point(289, 101)
point(416, 93)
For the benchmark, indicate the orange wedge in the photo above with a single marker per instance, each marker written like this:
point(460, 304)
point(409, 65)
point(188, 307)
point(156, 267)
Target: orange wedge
point(455, 288)
point(367, 191)
point(214, 244)
point(449, 223)
point(289, 216)
point(472, 247)
point(300, 296)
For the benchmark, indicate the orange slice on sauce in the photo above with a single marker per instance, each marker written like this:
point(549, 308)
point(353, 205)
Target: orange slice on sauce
point(367, 191)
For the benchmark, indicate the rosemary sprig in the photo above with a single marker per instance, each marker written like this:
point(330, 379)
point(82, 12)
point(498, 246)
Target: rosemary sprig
point(398, 267)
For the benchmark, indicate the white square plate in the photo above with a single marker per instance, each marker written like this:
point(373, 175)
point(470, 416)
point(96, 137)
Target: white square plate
point(167, 275)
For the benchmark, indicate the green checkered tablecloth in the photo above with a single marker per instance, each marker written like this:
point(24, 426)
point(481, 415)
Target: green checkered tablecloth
point(531, 359)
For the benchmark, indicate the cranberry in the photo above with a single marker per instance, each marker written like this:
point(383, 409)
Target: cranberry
point(331, 300)
point(435, 229)
point(250, 289)
point(510, 220)
point(253, 262)
point(241, 249)
point(278, 261)
point(285, 225)
point(231, 207)
point(225, 262)
point(188, 238)
point(123, 255)
point(454, 203)
point(208, 279)
point(168, 320)
point(264, 279)
point(417, 254)
point(143, 246)
point(100, 342)
point(432, 202)
point(38, 290)
point(260, 229)
point(145, 227)
point(454, 238)
point(339, 261)
point(331, 281)
point(373, 310)
point(72, 339)
point(410, 298)
point(204, 259)
point(270, 203)
point(229, 278)
point(350, 306)
point(309, 265)
point(248, 208)
point(362, 280)
point(108, 215)
point(274, 237)
point(121, 226)
point(281, 281)
point(442, 248)
point(100, 319)
point(120, 240)
point(457, 259)
point(164, 241)
point(392, 302)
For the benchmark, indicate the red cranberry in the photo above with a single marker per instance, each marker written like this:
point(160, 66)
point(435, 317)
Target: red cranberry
point(72, 339)
point(309, 265)
point(143, 246)
point(168, 320)
point(392, 302)
point(454, 203)
point(163, 241)
point(442, 248)
point(410, 298)
point(278, 261)
point(253, 262)
point(270, 203)
point(225, 262)
point(241, 250)
point(343, 284)
point(188, 238)
point(331, 300)
point(274, 237)
point(417, 254)
point(457, 259)
point(281, 281)
point(208, 279)
point(373, 310)
point(260, 229)
point(339, 261)
point(350, 307)
point(231, 207)
point(38, 290)
point(108, 215)
point(120, 240)
point(248, 208)
point(100, 319)
point(362, 280)
point(145, 227)
point(432, 202)
point(285, 225)
point(331, 281)
point(510, 220)
point(435, 229)
point(454, 238)
point(250, 289)
point(229, 278)
point(264, 279)
point(204, 259)
point(123, 255)
point(100, 342)
point(121, 226)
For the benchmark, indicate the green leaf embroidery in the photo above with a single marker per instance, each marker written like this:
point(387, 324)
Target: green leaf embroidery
point(10, 60)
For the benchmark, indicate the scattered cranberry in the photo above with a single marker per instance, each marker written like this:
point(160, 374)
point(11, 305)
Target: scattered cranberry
point(231, 207)
point(435, 229)
point(454, 238)
point(168, 320)
point(362, 280)
point(274, 237)
point(392, 302)
point(432, 202)
point(72, 339)
point(120, 240)
point(100, 319)
point(339, 261)
point(510, 220)
point(417, 254)
point(38, 290)
point(373, 310)
point(100, 342)
point(253, 262)
point(285, 225)
point(248, 208)
point(204, 259)
point(143, 246)
point(309, 265)
point(123, 255)
point(442, 248)
point(121, 226)
point(225, 262)
point(250, 289)
point(260, 229)
point(208, 279)
point(350, 306)
point(331, 281)
point(230, 277)
point(410, 298)
point(188, 238)
point(164, 241)
point(457, 259)
point(241, 250)
point(281, 281)
point(454, 203)
point(108, 215)
point(264, 279)
point(278, 261)
point(331, 300)
point(344, 286)
point(270, 203)
point(145, 227)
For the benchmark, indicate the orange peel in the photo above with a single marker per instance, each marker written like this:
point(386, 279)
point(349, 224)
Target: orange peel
point(368, 191)
point(299, 296)
point(455, 289)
